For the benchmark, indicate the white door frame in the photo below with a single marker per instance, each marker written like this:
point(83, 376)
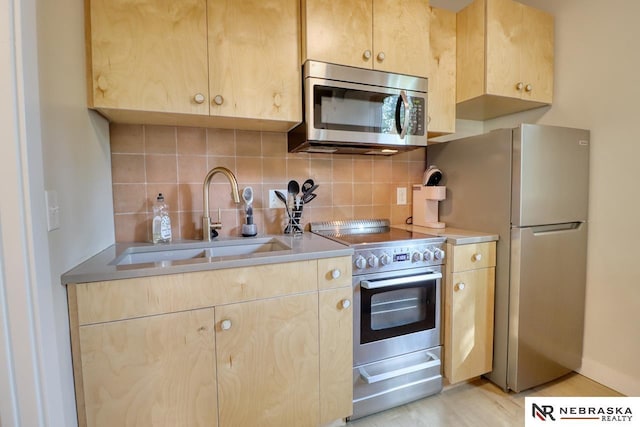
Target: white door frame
point(21, 402)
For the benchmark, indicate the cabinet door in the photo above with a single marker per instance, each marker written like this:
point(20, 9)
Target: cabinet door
point(442, 72)
point(401, 36)
point(148, 55)
point(469, 324)
point(151, 371)
point(338, 32)
point(267, 362)
point(537, 55)
point(506, 37)
point(336, 354)
point(254, 64)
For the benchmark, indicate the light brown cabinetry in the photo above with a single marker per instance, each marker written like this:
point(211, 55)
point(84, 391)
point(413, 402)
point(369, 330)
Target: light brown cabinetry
point(242, 346)
point(336, 348)
point(150, 371)
point(386, 35)
point(505, 59)
point(267, 362)
point(442, 72)
point(216, 63)
point(468, 310)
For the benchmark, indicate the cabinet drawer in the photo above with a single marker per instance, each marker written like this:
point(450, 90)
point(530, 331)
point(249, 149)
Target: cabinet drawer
point(334, 272)
point(145, 296)
point(472, 256)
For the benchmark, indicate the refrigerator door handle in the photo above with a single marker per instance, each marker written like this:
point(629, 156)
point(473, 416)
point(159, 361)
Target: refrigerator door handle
point(543, 229)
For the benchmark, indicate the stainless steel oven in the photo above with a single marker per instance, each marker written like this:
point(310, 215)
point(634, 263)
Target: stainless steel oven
point(397, 278)
point(396, 313)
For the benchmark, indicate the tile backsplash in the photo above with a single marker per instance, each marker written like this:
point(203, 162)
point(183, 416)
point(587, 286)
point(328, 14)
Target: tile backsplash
point(147, 160)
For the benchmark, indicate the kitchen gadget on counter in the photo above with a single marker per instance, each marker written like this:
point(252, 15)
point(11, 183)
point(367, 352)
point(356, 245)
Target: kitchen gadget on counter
point(426, 198)
point(249, 229)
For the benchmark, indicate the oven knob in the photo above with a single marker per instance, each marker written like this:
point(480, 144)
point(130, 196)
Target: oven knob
point(385, 259)
point(427, 255)
point(416, 257)
point(360, 262)
point(373, 261)
point(438, 254)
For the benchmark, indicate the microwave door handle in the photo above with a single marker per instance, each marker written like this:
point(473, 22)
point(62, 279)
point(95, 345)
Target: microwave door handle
point(377, 284)
point(403, 100)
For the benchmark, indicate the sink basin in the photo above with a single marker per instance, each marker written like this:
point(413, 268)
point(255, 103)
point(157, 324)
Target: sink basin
point(184, 253)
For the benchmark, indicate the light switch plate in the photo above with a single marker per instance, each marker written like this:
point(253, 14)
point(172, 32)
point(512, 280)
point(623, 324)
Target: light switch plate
point(53, 210)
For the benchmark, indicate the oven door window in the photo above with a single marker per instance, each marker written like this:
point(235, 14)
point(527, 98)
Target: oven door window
point(398, 310)
point(356, 110)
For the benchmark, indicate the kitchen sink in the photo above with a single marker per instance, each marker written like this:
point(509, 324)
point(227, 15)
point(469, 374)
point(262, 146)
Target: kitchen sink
point(183, 253)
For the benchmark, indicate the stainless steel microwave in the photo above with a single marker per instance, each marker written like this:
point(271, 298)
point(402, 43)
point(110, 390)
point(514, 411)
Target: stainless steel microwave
point(359, 111)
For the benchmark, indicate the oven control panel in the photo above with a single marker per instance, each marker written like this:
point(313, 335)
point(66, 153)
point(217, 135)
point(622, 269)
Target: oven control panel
point(397, 257)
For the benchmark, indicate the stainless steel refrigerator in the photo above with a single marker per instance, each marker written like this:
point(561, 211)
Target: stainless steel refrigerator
point(530, 186)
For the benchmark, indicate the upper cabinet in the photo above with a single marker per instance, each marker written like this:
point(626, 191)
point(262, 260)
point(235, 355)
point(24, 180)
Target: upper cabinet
point(504, 59)
point(385, 35)
point(216, 63)
point(442, 72)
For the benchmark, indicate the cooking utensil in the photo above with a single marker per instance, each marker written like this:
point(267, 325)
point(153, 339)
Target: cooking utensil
point(308, 197)
point(281, 197)
point(293, 188)
point(311, 189)
point(307, 185)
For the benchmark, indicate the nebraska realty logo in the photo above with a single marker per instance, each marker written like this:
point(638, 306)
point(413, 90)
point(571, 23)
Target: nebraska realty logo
point(582, 411)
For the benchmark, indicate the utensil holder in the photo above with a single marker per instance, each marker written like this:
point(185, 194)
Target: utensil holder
point(294, 215)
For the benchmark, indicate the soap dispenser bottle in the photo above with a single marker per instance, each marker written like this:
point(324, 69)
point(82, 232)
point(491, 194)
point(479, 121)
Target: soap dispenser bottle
point(161, 225)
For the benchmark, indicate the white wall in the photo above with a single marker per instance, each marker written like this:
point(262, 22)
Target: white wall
point(597, 88)
point(76, 163)
point(50, 142)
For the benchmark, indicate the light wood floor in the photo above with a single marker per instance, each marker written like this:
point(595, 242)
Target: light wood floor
point(478, 403)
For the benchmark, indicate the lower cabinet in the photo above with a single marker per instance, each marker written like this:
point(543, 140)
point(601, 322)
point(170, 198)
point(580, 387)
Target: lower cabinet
point(150, 371)
point(267, 362)
point(468, 311)
point(283, 358)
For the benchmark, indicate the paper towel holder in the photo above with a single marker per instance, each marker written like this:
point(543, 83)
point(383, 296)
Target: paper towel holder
point(425, 205)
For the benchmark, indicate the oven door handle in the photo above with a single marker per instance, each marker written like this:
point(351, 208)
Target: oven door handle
point(377, 284)
point(371, 379)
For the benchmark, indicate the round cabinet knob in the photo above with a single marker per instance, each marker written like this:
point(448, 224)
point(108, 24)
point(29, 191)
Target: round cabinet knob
point(427, 255)
point(218, 99)
point(519, 85)
point(198, 98)
point(372, 261)
point(103, 85)
point(366, 54)
point(461, 286)
point(385, 259)
point(416, 257)
point(438, 254)
point(345, 303)
point(528, 88)
point(476, 257)
point(225, 325)
point(381, 56)
point(335, 273)
point(360, 262)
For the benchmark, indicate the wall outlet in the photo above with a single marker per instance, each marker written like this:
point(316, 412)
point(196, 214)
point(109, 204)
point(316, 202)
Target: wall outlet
point(401, 195)
point(274, 202)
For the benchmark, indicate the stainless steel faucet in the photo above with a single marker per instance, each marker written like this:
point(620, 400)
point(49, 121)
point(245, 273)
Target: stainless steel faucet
point(209, 228)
